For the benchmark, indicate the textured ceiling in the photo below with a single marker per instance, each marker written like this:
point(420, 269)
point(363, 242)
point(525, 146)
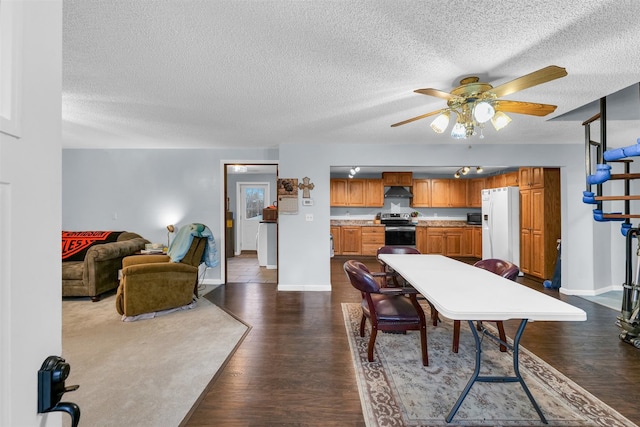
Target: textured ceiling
point(201, 73)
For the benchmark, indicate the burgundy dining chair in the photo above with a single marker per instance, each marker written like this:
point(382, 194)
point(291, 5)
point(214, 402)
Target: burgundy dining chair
point(388, 309)
point(503, 268)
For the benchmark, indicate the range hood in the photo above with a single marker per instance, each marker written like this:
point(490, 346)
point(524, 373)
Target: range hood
point(398, 193)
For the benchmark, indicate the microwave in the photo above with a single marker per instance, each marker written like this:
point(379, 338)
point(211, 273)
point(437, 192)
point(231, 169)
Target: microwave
point(474, 218)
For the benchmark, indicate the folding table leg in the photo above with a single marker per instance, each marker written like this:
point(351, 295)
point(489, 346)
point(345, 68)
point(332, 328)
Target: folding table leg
point(476, 377)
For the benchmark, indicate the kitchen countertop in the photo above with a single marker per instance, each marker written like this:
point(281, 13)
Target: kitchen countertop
point(421, 223)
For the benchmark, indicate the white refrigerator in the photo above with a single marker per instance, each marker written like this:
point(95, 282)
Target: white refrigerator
point(501, 224)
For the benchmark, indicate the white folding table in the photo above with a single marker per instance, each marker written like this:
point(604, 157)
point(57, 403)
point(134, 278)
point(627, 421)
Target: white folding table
point(461, 291)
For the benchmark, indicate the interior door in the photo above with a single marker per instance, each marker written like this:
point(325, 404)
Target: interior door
point(252, 198)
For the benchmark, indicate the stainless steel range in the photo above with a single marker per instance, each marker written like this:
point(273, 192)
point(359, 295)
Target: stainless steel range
point(398, 230)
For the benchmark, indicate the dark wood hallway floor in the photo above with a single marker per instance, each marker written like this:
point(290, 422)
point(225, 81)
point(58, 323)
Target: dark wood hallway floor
point(294, 368)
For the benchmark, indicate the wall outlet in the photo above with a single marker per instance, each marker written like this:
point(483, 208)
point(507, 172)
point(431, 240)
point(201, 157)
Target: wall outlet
point(309, 217)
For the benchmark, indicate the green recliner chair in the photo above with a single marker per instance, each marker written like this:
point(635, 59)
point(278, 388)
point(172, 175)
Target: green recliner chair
point(153, 283)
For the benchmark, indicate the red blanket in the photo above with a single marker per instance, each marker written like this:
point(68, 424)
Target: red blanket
point(75, 244)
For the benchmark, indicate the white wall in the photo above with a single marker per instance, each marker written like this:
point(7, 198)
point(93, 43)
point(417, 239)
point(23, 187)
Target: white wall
point(30, 291)
point(145, 190)
point(308, 268)
point(143, 186)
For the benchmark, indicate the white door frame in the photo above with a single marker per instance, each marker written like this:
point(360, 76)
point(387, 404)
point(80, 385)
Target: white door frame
point(223, 205)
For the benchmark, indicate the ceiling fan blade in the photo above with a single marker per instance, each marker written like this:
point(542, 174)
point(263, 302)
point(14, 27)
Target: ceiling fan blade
point(529, 108)
point(437, 93)
point(413, 119)
point(543, 75)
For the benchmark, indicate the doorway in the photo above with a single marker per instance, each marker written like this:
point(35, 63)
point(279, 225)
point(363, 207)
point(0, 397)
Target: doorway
point(249, 188)
point(251, 200)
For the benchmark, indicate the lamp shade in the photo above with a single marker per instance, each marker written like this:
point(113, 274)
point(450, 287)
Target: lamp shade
point(483, 112)
point(500, 120)
point(441, 122)
point(458, 131)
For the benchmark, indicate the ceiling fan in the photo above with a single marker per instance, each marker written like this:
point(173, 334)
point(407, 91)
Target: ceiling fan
point(475, 103)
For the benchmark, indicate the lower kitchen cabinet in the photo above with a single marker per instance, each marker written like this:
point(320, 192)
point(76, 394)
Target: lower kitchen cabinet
point(467, 242)
point(351, 240)
point(421, 240)
point(337, 239)
point(372, 239)
point(477, 242)
point(445, 241)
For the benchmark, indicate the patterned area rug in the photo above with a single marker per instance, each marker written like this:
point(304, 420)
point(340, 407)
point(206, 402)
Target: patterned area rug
point(396, 390)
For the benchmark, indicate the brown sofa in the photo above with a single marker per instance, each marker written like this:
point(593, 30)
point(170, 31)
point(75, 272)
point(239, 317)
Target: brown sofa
point(98, 271)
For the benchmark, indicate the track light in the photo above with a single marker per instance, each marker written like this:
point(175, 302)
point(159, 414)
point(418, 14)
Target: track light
point(466, 169)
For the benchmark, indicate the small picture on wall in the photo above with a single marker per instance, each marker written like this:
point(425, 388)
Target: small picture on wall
point(288, 196)
point(288, 187)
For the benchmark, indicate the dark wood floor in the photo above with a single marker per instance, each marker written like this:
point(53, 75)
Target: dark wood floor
point(294, 368)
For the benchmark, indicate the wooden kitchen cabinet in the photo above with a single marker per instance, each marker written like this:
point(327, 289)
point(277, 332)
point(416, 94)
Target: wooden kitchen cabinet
point(356, 192)
point(339, 195)
point(351, 239)
point(372, 239)
point(421, 240)
point(448, 193)
point(421, 193)
point(509, 179)
point(435, 241)
point(440, 193)
point(374, 195)
point(397, 179)
point(474, 192)
point(337, 246)
point(477, 242)
point(445, 241)
point(532, 177)
point(467, 248)
point(512, 179)
point(539, 220)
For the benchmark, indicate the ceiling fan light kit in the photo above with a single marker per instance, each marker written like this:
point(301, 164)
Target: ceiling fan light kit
point(500, 120)
point(483, 112)
point(476, 103)
point(441, 122)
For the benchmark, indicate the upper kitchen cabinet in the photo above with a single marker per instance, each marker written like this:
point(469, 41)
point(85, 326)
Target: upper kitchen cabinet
point(512, 179)
point(421, 193)
point(397, 179)
point(357, 192)
point(531, 177)
point(448, 193)
point(509, 179)
point(339, 192)
point(474, 192)
point(374, 196)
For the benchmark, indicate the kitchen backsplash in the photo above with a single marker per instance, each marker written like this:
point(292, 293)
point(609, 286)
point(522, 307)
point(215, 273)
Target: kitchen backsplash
point(423, 212)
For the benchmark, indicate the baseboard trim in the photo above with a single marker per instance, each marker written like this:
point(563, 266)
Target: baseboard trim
point(310, 288)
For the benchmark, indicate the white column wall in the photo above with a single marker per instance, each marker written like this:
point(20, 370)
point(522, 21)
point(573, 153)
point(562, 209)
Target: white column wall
point(304, 252)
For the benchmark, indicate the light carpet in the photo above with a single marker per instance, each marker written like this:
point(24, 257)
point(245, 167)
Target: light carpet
point(396, 390)
point(144, 373)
